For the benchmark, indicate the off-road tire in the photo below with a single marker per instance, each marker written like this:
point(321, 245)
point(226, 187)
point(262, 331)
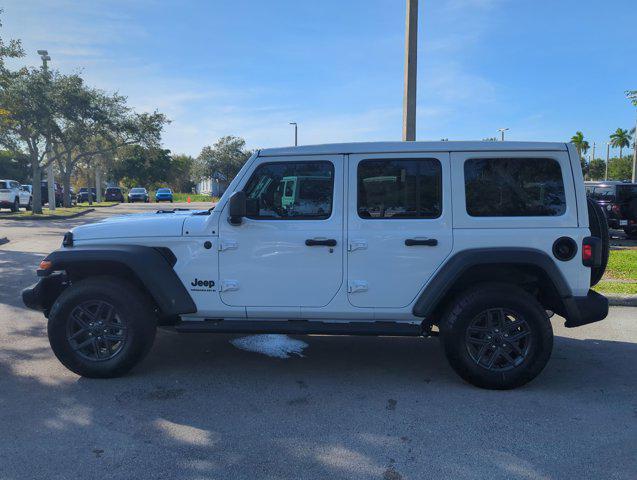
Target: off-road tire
point(132, 306)
point(598, 225)
point(471, 304)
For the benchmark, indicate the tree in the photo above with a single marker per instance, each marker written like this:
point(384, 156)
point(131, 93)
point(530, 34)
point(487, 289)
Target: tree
point(581, 145)
point(93, 125)
point(181, 173)
point(14, 165)
point(142, 166)
point(26, 118)
point(619, 168)
point(226, 157)
point(596, 169)
point(620, 139)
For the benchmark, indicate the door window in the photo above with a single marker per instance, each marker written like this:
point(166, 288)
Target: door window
point(292, 191)
point(399, 188)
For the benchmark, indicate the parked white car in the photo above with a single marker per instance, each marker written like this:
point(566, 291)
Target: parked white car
point(473, 241)
point(14, 196)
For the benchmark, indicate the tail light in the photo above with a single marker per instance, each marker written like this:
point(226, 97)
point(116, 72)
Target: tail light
point(615, 208)
point(592, 252)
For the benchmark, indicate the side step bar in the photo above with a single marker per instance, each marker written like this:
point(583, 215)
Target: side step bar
point(303, 327)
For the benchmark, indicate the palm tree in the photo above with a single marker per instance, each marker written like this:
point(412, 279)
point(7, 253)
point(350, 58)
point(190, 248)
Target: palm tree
point(620, 139)
point(581, 145)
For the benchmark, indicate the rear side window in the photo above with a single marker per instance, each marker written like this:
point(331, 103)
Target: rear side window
point(514, 187)
point(292, 190)
point(399, 188)
point(626, 193)
point(4, 184)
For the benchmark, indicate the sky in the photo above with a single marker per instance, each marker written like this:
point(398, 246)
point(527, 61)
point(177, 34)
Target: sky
point(542, 68)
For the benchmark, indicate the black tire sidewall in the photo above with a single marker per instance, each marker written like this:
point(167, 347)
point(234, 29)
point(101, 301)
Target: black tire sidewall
point(473, 302)
point(598, 225)
point(132, 307)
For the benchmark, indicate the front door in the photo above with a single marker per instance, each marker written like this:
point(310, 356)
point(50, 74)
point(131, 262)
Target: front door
point(399, 226)
point(290, 253)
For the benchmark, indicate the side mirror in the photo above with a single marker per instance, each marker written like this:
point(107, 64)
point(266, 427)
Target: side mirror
point(237, 208)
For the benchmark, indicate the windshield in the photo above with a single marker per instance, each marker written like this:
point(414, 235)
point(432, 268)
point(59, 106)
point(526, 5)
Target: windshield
point(112, 190)
point(163, 190)
point(138, 190)
point(603, 193)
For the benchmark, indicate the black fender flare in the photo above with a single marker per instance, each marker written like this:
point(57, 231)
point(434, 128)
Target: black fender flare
point(445, 278)
point(151, 266)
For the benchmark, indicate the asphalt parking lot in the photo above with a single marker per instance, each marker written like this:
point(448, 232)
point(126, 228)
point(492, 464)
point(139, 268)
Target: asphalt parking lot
point(350, 407)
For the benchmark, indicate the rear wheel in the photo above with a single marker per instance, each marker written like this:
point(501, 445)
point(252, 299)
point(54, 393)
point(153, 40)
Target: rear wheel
point(101, 327)
point(598, 225)
point(497, 336)
point(16, 205)
point(29, 206)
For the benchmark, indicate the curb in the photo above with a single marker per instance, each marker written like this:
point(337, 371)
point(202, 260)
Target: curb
point(48, 217)
point(104, 206)
point(622, 300)
point(4, 240)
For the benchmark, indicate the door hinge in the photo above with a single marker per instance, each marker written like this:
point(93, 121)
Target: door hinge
point(228, 245)
point(229, 285)
point(357, 286)
point(356, 245)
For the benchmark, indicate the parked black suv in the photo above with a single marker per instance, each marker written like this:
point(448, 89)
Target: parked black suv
point(82, 196)
point(114, 194)
point(619, 202)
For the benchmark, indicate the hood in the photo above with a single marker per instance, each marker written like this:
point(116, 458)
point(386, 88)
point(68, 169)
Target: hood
point(135, 225)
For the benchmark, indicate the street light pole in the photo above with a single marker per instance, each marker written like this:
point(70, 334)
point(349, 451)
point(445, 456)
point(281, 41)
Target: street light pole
point(44, 55)
point(296, 133)
point(607, 159)
point(411, 71)
point(502, 130)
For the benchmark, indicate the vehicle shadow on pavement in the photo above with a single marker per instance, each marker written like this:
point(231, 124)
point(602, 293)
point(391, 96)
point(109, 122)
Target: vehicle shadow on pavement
point(351, 407)
point(17, 272)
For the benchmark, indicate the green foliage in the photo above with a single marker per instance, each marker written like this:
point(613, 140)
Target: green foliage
point(581, 145)
point(632, 96)
point(620, 139)
point(181, 173)
point(226, 157)
point(14, 166)
point(596, 169)
point(143, 167)
point(620, 168)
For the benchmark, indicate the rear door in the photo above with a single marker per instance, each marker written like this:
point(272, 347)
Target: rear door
point(399, 226)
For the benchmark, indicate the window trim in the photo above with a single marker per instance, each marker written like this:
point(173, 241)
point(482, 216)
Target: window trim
point(299, 217)
point(527, 158)
point(392, 159)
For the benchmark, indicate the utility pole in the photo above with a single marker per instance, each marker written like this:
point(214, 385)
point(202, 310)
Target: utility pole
point(502, 130)
point(44, 55)
point(607, 159)
point(296, 133)
point(634, 179)
point(411, 73)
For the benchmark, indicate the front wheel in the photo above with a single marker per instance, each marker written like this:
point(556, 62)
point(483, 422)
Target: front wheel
point(101, 327)
point(29, 206)
point(497, 336)
point(16, 205)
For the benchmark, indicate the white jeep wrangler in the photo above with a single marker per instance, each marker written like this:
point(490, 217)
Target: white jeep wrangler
point(476, 242)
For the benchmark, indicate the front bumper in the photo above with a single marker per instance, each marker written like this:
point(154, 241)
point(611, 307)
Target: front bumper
point(584, 310)
point(41, 295)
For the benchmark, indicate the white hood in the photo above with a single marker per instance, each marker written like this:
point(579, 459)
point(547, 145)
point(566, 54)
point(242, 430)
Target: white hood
point(135, 225)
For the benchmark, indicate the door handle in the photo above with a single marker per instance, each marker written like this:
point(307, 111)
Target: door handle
point(428, 242)
point(313, 242)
